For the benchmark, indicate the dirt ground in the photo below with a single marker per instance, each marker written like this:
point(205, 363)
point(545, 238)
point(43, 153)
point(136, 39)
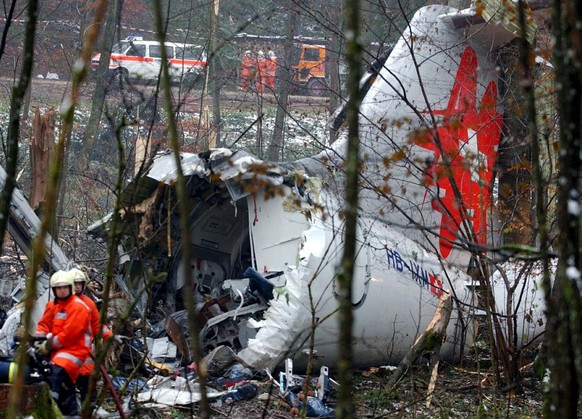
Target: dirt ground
point(46, 92)
point(464, 390)
point(459, 394)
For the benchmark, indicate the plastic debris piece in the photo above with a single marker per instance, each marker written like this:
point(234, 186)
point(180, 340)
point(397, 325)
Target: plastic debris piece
point(314, 408)
point(235, 374)
point(132, 385)
point(317, 409)
point(173, 397)
point(323, 383)
point(218, 360)
point(239, 371)
point(244, 392)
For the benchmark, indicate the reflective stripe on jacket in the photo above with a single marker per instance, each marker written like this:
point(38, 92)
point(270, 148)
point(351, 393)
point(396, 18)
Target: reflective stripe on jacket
point(68, 322)
point(106, 333)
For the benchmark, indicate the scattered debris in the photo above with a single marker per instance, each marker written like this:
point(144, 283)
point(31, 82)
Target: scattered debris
point(314, 408)
point(244, 392)
point(292, 389)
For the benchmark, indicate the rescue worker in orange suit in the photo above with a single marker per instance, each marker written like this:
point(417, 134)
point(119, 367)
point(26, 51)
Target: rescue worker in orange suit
point(65, 325)
point(80, 279)
point(247, 70)
point(261, 74)
point(271, 69)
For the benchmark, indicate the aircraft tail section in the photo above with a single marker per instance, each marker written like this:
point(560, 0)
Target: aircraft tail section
point(430, 127)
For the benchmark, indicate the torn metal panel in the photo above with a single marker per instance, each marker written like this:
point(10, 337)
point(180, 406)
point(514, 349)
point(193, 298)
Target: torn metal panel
point(188, 394)
point(507, 15)
point(286, 325)
point(24, 225)
point(482, 26)
point(12, 322)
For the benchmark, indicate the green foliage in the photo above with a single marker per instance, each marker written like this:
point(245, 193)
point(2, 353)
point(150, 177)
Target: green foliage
point(432, 339)
point(282, 292)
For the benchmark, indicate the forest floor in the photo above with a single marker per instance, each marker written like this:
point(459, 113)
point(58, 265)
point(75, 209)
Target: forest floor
point(460, 393)
point(466, 390)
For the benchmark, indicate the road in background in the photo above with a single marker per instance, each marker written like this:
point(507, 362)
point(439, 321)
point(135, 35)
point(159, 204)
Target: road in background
point(51, 93)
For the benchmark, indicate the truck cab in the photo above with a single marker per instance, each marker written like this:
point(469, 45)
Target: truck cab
point(310, 68)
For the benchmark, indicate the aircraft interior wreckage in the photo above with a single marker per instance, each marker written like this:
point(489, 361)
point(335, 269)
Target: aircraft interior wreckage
point(267, 237)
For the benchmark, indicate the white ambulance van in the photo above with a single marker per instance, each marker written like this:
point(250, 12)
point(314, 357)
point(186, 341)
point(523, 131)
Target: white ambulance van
point(136, 59)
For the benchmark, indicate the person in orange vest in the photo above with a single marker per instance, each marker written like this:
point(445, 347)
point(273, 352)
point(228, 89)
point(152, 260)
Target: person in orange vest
point(271, 69)
point(80, 279)
point(248, 69)
point(261, 74)
point(65, 325)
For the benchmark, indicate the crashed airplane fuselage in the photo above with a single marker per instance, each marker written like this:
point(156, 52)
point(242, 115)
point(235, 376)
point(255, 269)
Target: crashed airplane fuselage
point(430, 127)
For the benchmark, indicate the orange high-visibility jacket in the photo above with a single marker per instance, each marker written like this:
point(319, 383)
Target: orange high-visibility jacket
point(248, 66)
point(68, 321)
point(271, 67)
point(89, 364)
point(262, 64)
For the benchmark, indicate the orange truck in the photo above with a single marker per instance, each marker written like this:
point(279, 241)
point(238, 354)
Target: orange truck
point(310, 69)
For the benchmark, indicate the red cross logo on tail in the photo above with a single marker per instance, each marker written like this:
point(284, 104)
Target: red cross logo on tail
point(469, 139)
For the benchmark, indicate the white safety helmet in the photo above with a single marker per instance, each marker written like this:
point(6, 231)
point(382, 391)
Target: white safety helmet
point(248, 52)
point(61, 279)
point(79, 275)
point(271, 54)
point(260, 54)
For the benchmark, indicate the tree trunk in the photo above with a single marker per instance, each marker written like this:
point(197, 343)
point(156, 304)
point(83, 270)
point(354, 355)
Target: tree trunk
point(43, 137)
point(16, 103)
point(334, 65)
point(429, 341)
point(564, 305)
point(101, 77)
point(285, 81)
point(184, 211)
point(215, 72)
point(345, 404)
